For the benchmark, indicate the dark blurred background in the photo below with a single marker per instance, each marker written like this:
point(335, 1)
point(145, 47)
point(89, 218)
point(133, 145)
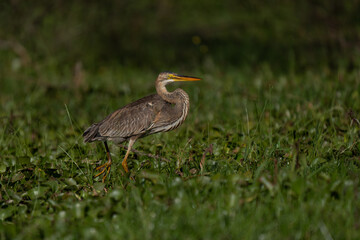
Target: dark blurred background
point(161, 34)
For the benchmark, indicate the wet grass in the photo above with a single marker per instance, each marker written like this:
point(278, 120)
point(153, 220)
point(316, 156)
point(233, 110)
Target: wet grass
point(261, 156)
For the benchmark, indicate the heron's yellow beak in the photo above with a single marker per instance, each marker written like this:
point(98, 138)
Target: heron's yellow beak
point(179, 78)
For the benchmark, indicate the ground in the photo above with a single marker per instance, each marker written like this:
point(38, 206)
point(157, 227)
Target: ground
point(262, 155)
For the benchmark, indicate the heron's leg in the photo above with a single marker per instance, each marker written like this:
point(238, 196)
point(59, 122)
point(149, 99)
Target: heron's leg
point(131, 143)
point(105, 167)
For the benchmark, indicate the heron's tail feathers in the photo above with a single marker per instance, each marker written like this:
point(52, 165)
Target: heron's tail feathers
point(92, 133)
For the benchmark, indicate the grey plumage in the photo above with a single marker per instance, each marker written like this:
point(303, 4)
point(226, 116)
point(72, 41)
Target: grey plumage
point(143, 117)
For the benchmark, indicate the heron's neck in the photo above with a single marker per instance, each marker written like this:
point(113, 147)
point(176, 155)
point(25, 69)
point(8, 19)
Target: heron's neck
point(178, 96)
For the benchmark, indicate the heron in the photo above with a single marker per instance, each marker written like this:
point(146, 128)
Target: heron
point(152, 114)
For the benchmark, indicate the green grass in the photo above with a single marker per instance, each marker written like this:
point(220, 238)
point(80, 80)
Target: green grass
point(281, 158)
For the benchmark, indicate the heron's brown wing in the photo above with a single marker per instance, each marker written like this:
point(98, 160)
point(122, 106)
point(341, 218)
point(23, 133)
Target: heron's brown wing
point(133, 119)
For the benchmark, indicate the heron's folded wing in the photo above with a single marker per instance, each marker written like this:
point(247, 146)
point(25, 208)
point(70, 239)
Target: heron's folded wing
point(133, 119)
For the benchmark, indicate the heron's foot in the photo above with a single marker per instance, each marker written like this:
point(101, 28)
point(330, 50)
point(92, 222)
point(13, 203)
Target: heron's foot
point(124, 164)
point(104, 169)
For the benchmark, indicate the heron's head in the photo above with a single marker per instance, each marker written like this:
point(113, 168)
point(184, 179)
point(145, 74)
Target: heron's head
point(168, 77)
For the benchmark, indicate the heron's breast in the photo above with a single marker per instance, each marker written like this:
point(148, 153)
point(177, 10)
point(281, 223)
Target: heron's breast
point(169, 118)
